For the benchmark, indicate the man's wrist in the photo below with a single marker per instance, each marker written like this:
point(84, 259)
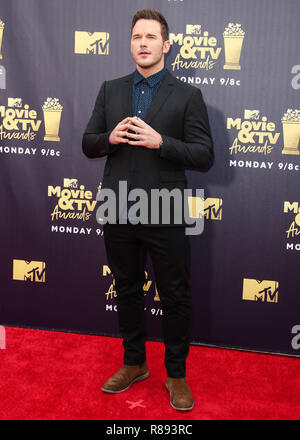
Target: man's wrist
point(111, 145)
point(110, 141)
point(161, 142)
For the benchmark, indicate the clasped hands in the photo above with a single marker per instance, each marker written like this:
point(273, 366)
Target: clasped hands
point(141, 133)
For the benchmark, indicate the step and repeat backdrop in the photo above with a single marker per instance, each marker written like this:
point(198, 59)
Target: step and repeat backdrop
point(244, 56)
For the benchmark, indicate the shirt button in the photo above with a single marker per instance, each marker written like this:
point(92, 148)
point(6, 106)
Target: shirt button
point(139, 111)
point(143, 92)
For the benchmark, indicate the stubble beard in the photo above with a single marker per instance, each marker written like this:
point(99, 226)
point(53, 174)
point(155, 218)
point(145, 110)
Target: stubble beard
point(152, 64)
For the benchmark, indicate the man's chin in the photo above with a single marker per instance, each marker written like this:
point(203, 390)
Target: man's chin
point(145, 65)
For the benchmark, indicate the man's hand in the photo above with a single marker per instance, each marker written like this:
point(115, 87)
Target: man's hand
point(120, 132)
point(143, 135)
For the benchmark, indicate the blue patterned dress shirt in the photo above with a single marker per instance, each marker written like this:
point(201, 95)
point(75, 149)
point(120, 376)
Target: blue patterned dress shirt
point(144, 90)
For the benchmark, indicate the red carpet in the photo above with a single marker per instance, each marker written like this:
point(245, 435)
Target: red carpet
point(49, 375)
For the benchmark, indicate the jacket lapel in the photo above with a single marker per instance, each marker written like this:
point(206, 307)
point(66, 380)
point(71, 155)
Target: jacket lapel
point(161, 96)
point(127, 95)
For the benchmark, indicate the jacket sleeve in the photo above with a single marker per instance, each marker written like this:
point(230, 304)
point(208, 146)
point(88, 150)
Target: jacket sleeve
point(95, 138)
point(196, 148)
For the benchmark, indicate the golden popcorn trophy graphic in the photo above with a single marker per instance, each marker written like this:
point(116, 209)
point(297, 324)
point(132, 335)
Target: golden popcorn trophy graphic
point(52, 115)
point(291, 132)
point(2, 24)
point(233, 42)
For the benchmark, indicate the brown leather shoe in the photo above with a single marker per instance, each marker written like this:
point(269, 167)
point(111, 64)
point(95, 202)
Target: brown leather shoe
point(126, 376)
point(181, 397)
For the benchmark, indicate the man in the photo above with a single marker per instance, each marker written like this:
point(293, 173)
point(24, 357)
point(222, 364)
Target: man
point(150, 126)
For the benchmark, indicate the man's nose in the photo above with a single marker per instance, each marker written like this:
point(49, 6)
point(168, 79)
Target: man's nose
point(143, 41)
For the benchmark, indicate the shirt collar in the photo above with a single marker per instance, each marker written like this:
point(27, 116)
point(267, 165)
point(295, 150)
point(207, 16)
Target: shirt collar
point(152, 80)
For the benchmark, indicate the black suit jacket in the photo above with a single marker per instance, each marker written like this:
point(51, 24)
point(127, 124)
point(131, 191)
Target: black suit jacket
point(177, 112)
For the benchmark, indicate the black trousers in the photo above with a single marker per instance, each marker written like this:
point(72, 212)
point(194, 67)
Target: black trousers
point(126, 247)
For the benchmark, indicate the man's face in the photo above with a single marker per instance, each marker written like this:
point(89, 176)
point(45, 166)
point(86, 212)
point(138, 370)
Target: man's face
point(147, 46)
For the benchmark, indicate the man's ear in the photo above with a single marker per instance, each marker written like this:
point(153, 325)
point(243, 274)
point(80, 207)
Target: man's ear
point(166, 46)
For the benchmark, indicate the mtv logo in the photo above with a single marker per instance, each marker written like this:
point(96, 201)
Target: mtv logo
point(213, 208)
point(2, 78)
point(193, 29)
point(29, 270)
point(251, 114)
point(92, 43)
point(70, 183)
point(14, 102)
point(261, 291)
